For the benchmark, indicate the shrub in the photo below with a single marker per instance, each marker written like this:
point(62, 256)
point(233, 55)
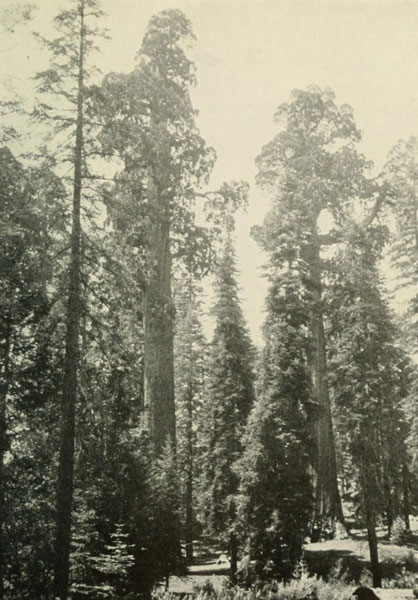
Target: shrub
point(400, 534)
point(305, 587)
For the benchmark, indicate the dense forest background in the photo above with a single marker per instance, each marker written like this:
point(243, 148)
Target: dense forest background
point(126, 435)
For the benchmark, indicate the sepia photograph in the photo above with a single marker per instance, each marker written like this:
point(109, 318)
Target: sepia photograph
point(208, 299)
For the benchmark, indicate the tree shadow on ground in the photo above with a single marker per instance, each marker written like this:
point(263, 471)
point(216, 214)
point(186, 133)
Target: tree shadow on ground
point(343, 563)
point(394, 560)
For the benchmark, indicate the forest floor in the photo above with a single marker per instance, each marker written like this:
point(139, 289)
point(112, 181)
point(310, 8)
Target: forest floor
point(210, 567)
point(341, 557)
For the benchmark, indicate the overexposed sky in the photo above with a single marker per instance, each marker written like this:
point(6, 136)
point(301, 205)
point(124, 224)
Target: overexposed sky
point(250, 54)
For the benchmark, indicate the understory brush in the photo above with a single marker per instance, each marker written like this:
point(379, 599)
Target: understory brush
point(338, 584)
point(400, 571)
point(304, 587)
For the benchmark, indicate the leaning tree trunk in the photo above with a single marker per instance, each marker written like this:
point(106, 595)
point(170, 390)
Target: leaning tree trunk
point(158, 325)
point(327, 495)
point(70, 382)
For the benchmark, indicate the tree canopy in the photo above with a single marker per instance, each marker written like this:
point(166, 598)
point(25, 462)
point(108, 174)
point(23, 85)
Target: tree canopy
point(141, 429)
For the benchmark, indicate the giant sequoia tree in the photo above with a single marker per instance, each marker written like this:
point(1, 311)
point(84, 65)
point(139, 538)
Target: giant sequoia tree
point(311, 167)
point(100, 326)
point(150, 123)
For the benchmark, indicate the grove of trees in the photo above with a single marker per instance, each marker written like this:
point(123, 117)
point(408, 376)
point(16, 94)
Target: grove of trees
point(126, 433)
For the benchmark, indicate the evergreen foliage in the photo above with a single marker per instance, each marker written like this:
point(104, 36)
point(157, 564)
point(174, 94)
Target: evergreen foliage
point(108, 389)
point(31, 232)
point(366, 368)
point(230, 395)
point(275, 493)
point(164, 159)
point(311, 168)
point(190, 354)
point(401, 178)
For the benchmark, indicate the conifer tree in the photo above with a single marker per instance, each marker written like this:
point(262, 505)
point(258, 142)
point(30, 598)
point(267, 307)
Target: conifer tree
point(164, 158)
point(113, 566)
point(312, 167)
point(401, 174)
point(66, 82)
point(31, 227)
point(275, 492)
point(230, 395)
point(190, 353)
point(14, 306)
point(367, 380)
point(401, 177)
point(149, 121)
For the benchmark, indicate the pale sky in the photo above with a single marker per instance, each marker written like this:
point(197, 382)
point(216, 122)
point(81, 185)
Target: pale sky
point(250, 55)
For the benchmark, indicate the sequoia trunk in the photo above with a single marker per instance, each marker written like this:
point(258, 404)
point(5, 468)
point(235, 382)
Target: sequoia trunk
point(158, 324)
point(327, 496)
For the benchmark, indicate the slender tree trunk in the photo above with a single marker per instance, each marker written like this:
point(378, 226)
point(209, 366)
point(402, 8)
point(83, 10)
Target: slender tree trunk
point(389, 504)
point(406, 509)
point(369, 511)
point(233, 555)
point(189, 481)
point(374, 554)
point(327, 495)
point(158, 325)
point(381, 449)
point(71, 360)
point(3, 447)
point(4, 390)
